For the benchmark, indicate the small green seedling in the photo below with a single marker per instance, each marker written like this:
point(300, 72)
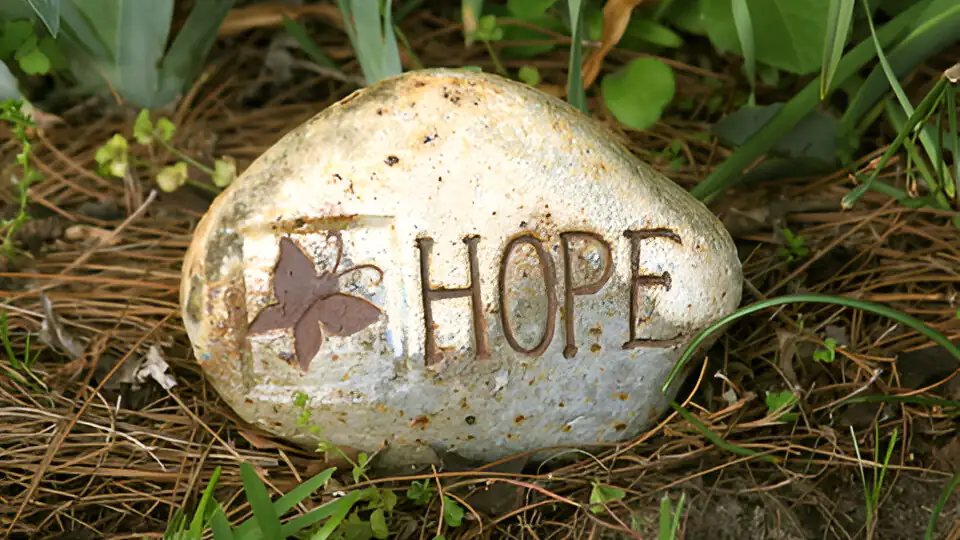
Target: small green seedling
point(420, 492)
point(113, 157)
point(11, 111)
point(827, 355)
point(600, 495)
point(795, 248)
point(489, 30)
point(781, 402)
point(670, 518)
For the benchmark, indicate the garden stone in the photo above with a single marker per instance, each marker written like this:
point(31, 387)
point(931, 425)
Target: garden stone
point(452, 260)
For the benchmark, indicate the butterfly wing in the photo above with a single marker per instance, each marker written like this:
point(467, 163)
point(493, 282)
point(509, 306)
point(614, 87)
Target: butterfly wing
point(294, 278)
point(308, 335)
point(343, 315)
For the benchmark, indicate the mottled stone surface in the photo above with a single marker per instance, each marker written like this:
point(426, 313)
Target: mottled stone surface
point(452, 258)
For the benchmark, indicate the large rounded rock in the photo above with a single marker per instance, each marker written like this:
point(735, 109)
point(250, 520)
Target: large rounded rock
point(451, 258)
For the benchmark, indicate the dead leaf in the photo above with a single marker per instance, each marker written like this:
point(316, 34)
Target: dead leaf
point(90, 235)
point(616, 16)
point(53, 334)
point(948, 456)
point(155, 367)
point(240, 20)
point(788, 351)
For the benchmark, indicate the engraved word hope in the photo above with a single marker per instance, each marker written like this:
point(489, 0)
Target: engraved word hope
point(571, 290)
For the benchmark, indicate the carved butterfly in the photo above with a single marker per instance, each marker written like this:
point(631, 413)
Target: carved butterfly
point(312, 304)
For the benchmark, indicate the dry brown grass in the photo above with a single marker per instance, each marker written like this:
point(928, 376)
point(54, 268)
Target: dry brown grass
point(92, 458)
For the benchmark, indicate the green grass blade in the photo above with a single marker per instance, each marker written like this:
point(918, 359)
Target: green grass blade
point(950, 489)
point(301, 492)
point(677, 514)
point(839, 21)
point(220, 525)
point(919, 115)
point(925, 133)
point(730, 171)
point(309, 46)
point(928, 38)
point(263, 512)
point(877, 309)
point(390, 51)
point(336, 510)
point(714, 438)
point(49, 12)
point(744, 25)
point(5, 338)
point(951, 93)
point(140, 41)
point(470, 12)
point(369, 42)
point(185, 59)
point(196, 526)
point(576, 95)
point(666, 512)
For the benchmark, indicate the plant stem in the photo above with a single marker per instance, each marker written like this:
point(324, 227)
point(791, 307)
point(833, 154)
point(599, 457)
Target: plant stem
point(496, 60)
point(186, 158)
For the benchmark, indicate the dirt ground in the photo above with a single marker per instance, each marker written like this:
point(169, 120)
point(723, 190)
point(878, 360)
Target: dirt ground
point(99, 454)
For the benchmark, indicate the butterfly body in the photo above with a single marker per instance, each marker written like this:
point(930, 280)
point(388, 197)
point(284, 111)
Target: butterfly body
point(311, 303)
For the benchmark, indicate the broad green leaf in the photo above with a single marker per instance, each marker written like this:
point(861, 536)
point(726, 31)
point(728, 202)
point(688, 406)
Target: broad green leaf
point(744, 24)
point(839, 22)
point(528, 9)
point(48, 46)
point(259, 499)
point(452, 512)
point(49, 12)
point(33, 62)
point(378, 523)
point(644, 30)
point(576, 95)
point(14, 35)
point(188, 52)
point(638, 93)
point(788, 34)
point(9, 87)
point(813, 137)
point(687, 15)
